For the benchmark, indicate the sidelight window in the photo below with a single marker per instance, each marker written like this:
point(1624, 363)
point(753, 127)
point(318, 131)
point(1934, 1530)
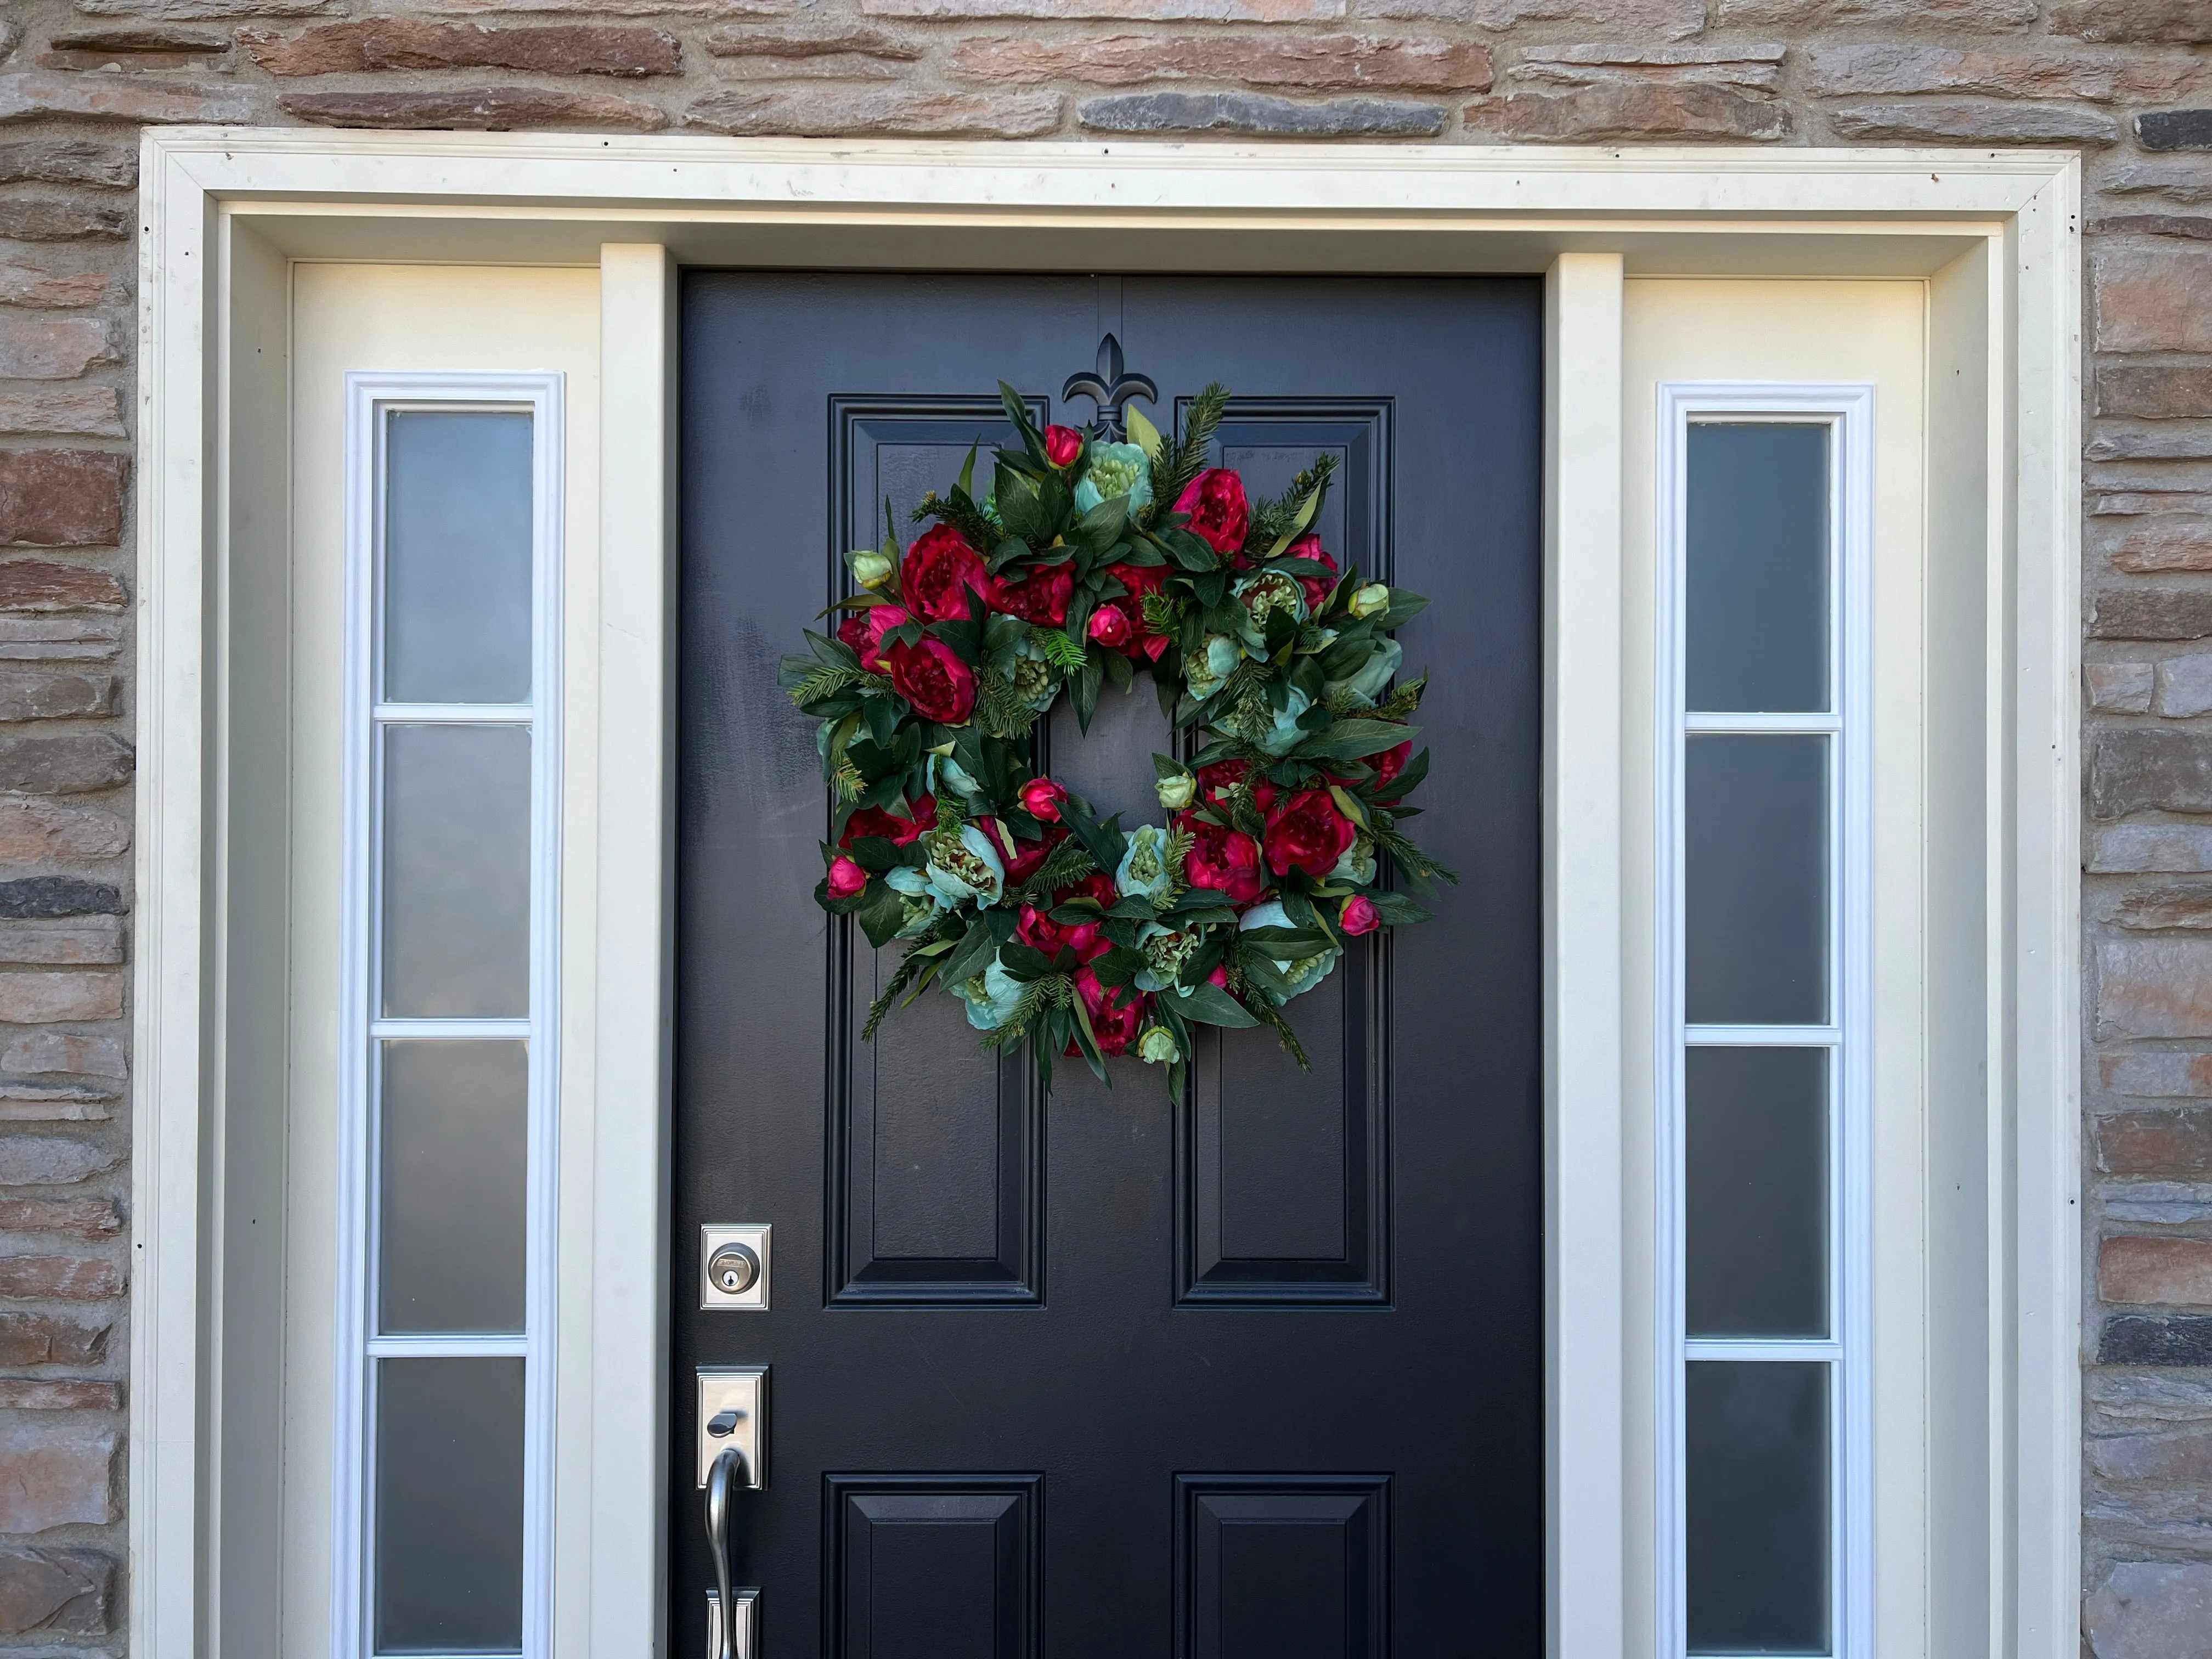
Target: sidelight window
point(1763, 1008)
point(446, 1284)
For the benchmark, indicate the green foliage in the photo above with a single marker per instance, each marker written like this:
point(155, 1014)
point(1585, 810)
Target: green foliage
point(1190, 456)
point(1065, 865)
point(1059, 649)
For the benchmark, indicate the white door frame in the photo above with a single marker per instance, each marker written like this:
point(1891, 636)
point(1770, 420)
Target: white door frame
point(1994, 234)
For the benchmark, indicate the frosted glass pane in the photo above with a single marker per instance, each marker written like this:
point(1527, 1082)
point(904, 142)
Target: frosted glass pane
point(1758, 1191)
point(457, 870)
point(1757, 1506)
point(1756, 881)
point(1758, 576)
point(457, 557)
point(456, 1123)
point(449, 1506)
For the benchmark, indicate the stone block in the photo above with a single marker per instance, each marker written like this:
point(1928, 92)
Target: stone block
point(42, 94)
point(2154, 987)
point(39, 831)
point(68, 161)
point(1759, 66)
point(67, 411)
point(38, 1339)
point(1667, 20)
point(2158, 1203)
point(41, 585)
point(2151, 1609)
point(1808, 15)
point(2156, 1340)
point(2160, 908)
point(30, 694)
point(60, 1474)
point(2119, 687)
point(72, 764)
point(52, 348)
point(2176, 1272)
point(476, 109)
point(49, 1161)
point(900, 111)
point(2155, 1459)
point(60, 639)
point(59, 498)
point(2178, 22)
point(415, 43)
point(1267, 59)
point(49, 290)
point(194, 11)
point(2175, 129)
point(54, 1103)
point(1258, 115)
point(40, 1053)
point(59, 1394)
point(761, 39)
point(59, 1277)
point(1625, 110)
point(2152, 299)
point(155, 45)
point(604, 8)
point(78, 1218)
point(2140, 768)
point(2163, 1073)
point(1888, 67)
point(2189, 442)
point(2184, 686)
point(2173, 1141)
point(51, 998)
point(1944, 122)
point(1147, 11)
point(94, 941)
point(63, 219)
point(2184, 181)
point(2145, 612)
point(2130, 848)
point(56, 1592)
point(2189, 226)
point(2160, 503)
point(2156, 391)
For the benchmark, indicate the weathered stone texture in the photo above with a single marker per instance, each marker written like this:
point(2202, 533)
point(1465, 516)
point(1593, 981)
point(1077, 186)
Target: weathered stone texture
point(40, 1338)
point(2161, 849)
point(79, 1218)
point(59, 498)
point(2181, 21)
point(413, 43)
point(2156, 1340)
point(1955, 123)
point(489, 109)
point(1627, 109)
point(39, 1160)
point(1261, 116)
point(41, 831)
point(73, 763)
point(2119, 688)
point(1333, 60)
point(831, 113)
point(1887, 67)
point(2177, 1270)
point(2152, 298)
point(2175, 129)
point(2156, 987)
point(56, 1592)
point(68, 161)
point(59, 1474)
point(2154, 391)
point(37, 94)
point(71, 1278)
point(2174, 1140)
point(2137, 767)
point(2151, 1609)
point(40, 1052)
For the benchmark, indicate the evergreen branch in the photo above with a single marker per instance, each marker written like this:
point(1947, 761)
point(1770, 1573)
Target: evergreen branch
point(1410, 855)
point(900, 981)
point(1272, 1016)
point(1004, 714)
point(1061, 649)
point(964, 516)
point(1052, 991)
point(1180, 842)
point(1172, 479)
point(1162, 614)
point(1273, 515)
point(848, 779)
point(829, 682)
point(1065, 866)
point(1402, 704)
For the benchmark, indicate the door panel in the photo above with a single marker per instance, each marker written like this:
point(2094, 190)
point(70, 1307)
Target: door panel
point(1097, 1347)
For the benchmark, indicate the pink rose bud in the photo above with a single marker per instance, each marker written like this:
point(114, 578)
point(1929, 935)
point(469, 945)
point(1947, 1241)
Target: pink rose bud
point(1042, 798)
point(846, 877)
point(1109, 627)
point(1219, 976)
point(1360, 915)
point(1062, 444)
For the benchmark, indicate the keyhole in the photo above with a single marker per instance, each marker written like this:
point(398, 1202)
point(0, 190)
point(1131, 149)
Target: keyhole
point(734, 1269)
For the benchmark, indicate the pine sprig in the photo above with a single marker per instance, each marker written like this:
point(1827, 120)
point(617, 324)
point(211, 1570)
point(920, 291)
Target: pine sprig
point(848, 779)
point(1271, 1016)
point(1402, 704)
point(1065, 866)
point(1162, 614)
point(964, 516)
point(1060, 650)
point(1410, 855)
point(1180, 842)
point(1005, 714)
point(1273, 515)
point(825, 682)
point(1172, 479)
point(900, 981)
point(1052, 991)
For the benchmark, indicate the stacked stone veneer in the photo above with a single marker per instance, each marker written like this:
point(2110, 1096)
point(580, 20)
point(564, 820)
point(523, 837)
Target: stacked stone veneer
point(2129, 81)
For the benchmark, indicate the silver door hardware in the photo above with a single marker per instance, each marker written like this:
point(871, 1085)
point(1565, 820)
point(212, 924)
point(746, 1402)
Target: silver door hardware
point(733, 1416)
point(746, 1634)
point(734, 1266)
point(732, 1640)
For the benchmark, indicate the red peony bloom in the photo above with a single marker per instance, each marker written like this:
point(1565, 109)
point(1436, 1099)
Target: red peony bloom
point(1062, 444)
point(1116, 1016)
point(1042, 597)
point(1306, 832)
point(864, 631)
point(875, 821)
point(1040, 932)
point(846, 877)
point(1317, 588)
point(1391, 762)
point(940, 686)
point(1360, 915)
point(1040, 798)
point(1225, 860)
point(1139, 580)
point(1214, 782)
point(1029, 855)
point(1109, 626)
point(1219, 516)
point(940, 568)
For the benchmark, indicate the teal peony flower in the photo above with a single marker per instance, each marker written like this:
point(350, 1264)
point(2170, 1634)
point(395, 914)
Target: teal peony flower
point(1263, 593)
point(1303, 974)
point(1116, 469)
point(1157, 1047)
point(991, 997)
point(923, 902)
point(1143, 872)
point(1357, 864)
point(1165, 952)
point(947, 776)
point(1036, 682)
point(1204, 671)
point(1372, 678)
point(968, 867)
point(1283, 735)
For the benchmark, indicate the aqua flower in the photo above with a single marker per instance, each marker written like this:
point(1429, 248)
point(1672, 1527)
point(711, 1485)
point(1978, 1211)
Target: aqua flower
point(1116, 469)
point(1164, 951)
point(1373, 677)
point(1036, 681)
point(966, 866)
point(1204, 671)
point(1357, 864)
point(923, 902)
point(1143, 872)
point(1263, 593)
point(990, 996)
point(1303, 974)
point(948, 777)
point(1284, 733)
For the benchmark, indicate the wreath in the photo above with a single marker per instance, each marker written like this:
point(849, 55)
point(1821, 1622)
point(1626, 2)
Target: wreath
point(1090, 559)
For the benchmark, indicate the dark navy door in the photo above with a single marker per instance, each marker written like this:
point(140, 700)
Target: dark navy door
point(1257, 1374)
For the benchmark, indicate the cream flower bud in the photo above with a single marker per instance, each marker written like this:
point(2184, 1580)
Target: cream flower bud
point(1157, 1047)
point(1177, 792)
point(871, 569)
point(1370, 600)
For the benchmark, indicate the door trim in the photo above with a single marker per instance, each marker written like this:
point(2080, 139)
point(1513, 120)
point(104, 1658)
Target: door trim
point(226, 210)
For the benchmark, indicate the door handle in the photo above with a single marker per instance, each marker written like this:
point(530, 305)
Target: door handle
point(727, 1637)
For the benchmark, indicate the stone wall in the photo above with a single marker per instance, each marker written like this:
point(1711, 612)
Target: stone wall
point(2129, 82)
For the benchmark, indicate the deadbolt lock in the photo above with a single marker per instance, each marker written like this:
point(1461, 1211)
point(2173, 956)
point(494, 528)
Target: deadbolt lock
point(734, 1266)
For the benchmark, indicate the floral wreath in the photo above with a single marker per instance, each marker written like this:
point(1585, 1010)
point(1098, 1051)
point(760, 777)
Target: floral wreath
point(1079, 936)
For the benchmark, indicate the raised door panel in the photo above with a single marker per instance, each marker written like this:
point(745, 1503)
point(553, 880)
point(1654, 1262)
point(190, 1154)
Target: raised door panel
point(1284, 1566)
point(932, 1566)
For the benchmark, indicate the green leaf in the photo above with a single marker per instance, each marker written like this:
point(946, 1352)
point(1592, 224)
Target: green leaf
point(1211, 1006)
point(1286, 944)
point(1143, 434)
point(1397, 909)
point(1353, 740)
point(968, 469)
point(972, 955)
point(882, 914)
point(1305, 517)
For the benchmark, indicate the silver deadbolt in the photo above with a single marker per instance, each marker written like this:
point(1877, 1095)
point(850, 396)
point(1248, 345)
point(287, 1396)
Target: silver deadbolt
point(733, 1268)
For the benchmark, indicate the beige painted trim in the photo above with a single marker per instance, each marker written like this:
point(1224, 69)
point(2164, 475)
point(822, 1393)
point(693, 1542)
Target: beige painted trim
point(219, 205)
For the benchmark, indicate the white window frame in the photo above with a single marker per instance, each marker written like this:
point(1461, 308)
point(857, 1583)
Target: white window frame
point(1847, 413)
point(1995, 233)
point(371, 397)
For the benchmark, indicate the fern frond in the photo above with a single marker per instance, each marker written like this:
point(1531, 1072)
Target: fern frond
point(848, 780)
point(1060, 650)
point(829, 682)
point(1004, 714)
point(970, 520)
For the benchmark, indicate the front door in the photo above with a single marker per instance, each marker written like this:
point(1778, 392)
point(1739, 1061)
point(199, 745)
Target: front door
point(1255, 1373)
